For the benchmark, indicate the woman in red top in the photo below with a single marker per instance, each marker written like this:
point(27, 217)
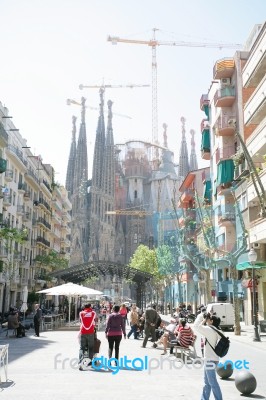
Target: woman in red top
point(123, 312)
point(114, 329)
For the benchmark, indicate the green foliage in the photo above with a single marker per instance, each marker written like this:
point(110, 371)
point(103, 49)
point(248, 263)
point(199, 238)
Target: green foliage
point(14, 234)
point(144, 259)
point(165, 260)
point(52, 260)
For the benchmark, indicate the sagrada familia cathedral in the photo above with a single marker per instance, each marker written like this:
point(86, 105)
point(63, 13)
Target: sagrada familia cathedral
point(130, 195)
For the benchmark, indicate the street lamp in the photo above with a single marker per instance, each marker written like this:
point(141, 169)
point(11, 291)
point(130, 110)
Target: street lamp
point(252, 256)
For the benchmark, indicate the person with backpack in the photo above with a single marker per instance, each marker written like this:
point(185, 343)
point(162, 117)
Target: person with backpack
point(207, 325)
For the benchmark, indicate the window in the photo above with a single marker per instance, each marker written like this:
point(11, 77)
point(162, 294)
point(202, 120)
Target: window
point(135, 238)
point(135, 194)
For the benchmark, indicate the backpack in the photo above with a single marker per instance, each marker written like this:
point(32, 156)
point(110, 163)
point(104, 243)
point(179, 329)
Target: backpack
point(222, 346)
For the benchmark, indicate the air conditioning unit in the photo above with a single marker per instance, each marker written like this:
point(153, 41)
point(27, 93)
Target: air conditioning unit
point(256, 245)
point(232, 121)
point(226, 81)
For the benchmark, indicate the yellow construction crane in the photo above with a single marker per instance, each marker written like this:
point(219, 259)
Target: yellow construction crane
point(153, 44)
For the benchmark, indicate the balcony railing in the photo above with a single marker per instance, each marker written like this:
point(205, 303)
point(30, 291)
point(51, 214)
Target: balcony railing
point(44, 203)
point(224, 153)
point(224, 97)
point(40, 239)
point(225, 125)
point(44, 222)
point(32, 175)
point(226, 217)
point(9, 175)
point(18, 153)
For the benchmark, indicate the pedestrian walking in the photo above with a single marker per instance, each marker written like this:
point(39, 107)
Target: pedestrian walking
point(133, 320)
point(123, 312)
point(37, 319)
point(115, 328)
point(151, 317)
point(87, 318)
point(203, 325)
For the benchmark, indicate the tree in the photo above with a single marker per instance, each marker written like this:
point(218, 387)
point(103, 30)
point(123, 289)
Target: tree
point(8, 238)
point(51, 262)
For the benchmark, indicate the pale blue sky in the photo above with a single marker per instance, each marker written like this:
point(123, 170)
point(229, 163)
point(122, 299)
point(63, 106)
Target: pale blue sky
point(49, 47)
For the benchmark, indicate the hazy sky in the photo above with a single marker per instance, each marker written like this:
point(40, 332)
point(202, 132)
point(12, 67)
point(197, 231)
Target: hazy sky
point(50, 47)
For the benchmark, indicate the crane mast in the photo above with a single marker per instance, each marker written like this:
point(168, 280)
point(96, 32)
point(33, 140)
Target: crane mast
point(153, 43)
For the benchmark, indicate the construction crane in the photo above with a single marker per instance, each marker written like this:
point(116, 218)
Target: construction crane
point(153, 43)
point(137, 213)
point(75, 102)
point(103, 86)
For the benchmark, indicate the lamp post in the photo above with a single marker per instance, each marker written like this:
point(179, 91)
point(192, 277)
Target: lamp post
point(252, 256)
point(196, 281)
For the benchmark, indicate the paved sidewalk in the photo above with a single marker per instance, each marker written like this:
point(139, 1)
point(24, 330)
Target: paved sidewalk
point(47, 367)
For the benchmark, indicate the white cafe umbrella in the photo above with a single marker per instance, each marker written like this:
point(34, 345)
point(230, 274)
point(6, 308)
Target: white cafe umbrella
point(24, 305)
point(70, 290)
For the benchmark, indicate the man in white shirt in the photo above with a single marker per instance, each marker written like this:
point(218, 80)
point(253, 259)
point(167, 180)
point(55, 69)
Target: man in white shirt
point(203, 325)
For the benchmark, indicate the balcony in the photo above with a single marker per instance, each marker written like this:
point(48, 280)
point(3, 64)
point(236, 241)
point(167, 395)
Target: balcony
point(223, 68)
point(255, 108)
point(20, 210)
point(43, 241)
point(226, 219)
point(256, 143)
point(187, 195)
point(57, 220)
point(26, 217)
point(225, 125)
point(225, 176)
point(43, 222)
point(9, 175)
point(204, 104)
point(225, 97)
point(32, 176)
point(22, 187)
point(26, 196)
point(257, 231)
point(255, 67)
point(224, 153)
point(205, 145)
point(241, 170)
point(3, 253)
point(46, 185)
point(3, 136)
point(7, 201)
point(17, 156)
point(3, 164)
point(44, 204)
point(251, 192)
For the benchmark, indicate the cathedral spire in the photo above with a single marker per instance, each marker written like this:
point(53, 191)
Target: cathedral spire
point(193, 157)
point(183, 169)
point(81, 162)
point(99, 146)
point(71, 159)
point(165, 135)
point(108, 177)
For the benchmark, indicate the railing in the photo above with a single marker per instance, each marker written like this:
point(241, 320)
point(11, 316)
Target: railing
point(43, 241)
point(32, 175)
point(9, 174)
point(22, 186)
point(227, 91)
point(3, 133)
point(44, 222)
point(18, 153)
point(46, 205)
point(225, 153)
point(46, 184)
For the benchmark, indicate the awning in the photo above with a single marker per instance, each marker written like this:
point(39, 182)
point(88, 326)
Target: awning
point(225, 172)
point(206, 110)
point(207, 190)
point(246, 265)
point(205, 140)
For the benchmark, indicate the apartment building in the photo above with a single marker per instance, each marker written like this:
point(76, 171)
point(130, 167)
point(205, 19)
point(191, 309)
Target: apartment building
point(33, 206)
point(233, 139)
